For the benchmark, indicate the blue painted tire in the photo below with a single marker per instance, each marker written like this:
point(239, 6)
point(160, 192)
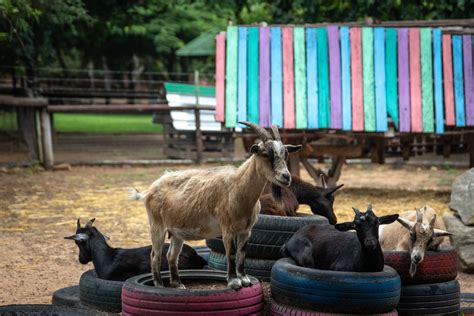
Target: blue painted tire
point(335, 291)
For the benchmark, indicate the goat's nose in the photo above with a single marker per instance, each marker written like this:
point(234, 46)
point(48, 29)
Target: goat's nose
point(286, 176)
point(417, 258)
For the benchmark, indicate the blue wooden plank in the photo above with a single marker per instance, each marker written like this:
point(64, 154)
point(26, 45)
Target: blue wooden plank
point(276, 76)
point(458, 81)
point(242, 75)
point(312, 77)
point(380, 93)
point(438, 80)
point(346, 78)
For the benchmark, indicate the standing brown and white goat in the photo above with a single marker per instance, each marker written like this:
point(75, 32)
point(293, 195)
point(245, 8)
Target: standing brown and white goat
point(416, 232)
point(205, 203)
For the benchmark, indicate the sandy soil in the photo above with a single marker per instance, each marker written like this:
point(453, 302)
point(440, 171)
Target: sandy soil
point(37, 209)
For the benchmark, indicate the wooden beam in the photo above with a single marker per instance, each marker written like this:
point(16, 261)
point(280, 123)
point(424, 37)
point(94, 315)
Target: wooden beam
point(47, 141)
point(113, 108)
point(6, 100)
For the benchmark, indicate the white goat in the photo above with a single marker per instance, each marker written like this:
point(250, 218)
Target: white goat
point(205, 203)
point(414, 236)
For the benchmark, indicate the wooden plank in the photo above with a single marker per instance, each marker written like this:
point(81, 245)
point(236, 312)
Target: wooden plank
point(288, 78)
point(276, 76)
point(242, 73)
point(415, 81)
point(323, 79)
point(448, 80)
point(368, 78)
point(391, 74)
point(458, 81)
point(468, 79)
point(356, 75)
point(438, 80)
point(346, 78)
point(117, 108)
point(335, 77)
point(403, 81)
point(427, 80)
point(380, 86)
point(264, 78)
point(300, 78)
point(312, 76)
point(6, 100)
point(252, 74)
point(231, 77)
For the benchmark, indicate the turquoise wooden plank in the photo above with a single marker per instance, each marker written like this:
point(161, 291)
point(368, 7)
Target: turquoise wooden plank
point(346, 78)
point(438, 80)
point(427, 80)
point(458, 81)
point(312, 77)
point(252, 74)
point(368, 78)
point(231, 77)
point(323, 78)
point(380, 92)
point(276, 76)
point(391, 74)
point(300, 78)
point(242, 75)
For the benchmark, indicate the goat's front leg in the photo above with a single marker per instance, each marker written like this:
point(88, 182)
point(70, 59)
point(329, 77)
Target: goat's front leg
point(157, 239)
point(232, 280)
point(172, 255)
point(242, 240)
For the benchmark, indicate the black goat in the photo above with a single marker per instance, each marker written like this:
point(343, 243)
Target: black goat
point(320, 200)
point(120, 264)
point(333, 248)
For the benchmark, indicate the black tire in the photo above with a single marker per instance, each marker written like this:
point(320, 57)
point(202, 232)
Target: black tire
point(467, 297)
point(259, 268)
point(68, 296)
point(100, 294)
point(335, 291)
point(46, 310)
point(436, 298)
point(269, 234)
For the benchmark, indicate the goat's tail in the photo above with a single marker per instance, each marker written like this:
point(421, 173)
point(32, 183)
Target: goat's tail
point(134, 194)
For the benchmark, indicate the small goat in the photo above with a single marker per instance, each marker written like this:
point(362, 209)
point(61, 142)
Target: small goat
point(415, 232)
point(320, 200)
point(205, 203)
point(329, 247)
point(120, 264)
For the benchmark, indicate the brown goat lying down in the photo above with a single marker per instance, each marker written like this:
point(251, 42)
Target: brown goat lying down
point(319, 199)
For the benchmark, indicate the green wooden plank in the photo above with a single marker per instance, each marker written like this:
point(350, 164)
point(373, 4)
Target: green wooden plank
point(391, 74)
point(231, 78)
point(189, 89)
point(323, 79)
point(427, 80)
point(252, 75)
point(368, 78)
point(300, 77)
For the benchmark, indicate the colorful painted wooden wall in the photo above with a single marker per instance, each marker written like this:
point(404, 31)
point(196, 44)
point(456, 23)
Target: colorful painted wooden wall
point(345, 78)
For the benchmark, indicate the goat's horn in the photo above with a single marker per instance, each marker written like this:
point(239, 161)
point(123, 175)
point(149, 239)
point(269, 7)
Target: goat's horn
point(90, 222)
point(441, 233)
point(419, 216)
point(323, 180)
point(78, 224)
point(369, 208)
point(433, 220)
point(276, 133)
point(260, 131)
point(406, 223)
point(356, 210)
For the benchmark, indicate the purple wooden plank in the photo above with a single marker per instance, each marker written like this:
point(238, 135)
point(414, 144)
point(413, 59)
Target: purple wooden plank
point(335, 77)
point(403, 80)
point(468, 79)
point(264, 74)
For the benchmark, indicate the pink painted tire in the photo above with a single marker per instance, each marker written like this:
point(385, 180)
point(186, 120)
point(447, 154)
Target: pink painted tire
point(140, 297)
point(283, 310)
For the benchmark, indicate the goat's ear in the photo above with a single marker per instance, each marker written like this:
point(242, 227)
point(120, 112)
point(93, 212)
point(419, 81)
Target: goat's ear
point(293, 148)
point(388, 219)
point(441, 233)
point(343, 227)
point(406, 223)
point(254, 149)
point(331, 191)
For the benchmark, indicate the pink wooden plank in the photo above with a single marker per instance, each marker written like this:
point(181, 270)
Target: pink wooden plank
point(356, 76)
point(220, 76)
point(415, 81)
point(448, 80)
point(335, 77)
point(288, 78)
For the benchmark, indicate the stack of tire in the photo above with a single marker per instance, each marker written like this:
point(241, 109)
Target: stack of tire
point(312, 292)
point(433, 290)
point(269, 234)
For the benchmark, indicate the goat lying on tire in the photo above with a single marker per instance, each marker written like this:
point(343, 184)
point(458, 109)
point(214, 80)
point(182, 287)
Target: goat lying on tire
point(204, 203)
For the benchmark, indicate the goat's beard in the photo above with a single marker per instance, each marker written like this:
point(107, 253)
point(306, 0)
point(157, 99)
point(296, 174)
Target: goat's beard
point(276, 193)
point(413, 267)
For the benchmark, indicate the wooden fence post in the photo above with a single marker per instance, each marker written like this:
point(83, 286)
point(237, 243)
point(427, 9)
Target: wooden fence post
point(46, 139)
point(197, 115)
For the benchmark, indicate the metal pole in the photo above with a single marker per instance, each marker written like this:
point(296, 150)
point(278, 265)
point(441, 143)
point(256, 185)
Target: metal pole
point(199, 144)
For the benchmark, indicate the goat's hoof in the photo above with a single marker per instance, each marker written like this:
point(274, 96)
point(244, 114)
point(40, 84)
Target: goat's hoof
point(245, 281)
point(178, 285)
point(235, 284)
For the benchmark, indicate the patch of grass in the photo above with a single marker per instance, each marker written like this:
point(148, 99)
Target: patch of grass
point(8, 121)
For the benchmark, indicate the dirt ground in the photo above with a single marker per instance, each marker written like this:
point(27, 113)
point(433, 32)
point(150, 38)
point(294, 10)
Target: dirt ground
point(37, 209)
